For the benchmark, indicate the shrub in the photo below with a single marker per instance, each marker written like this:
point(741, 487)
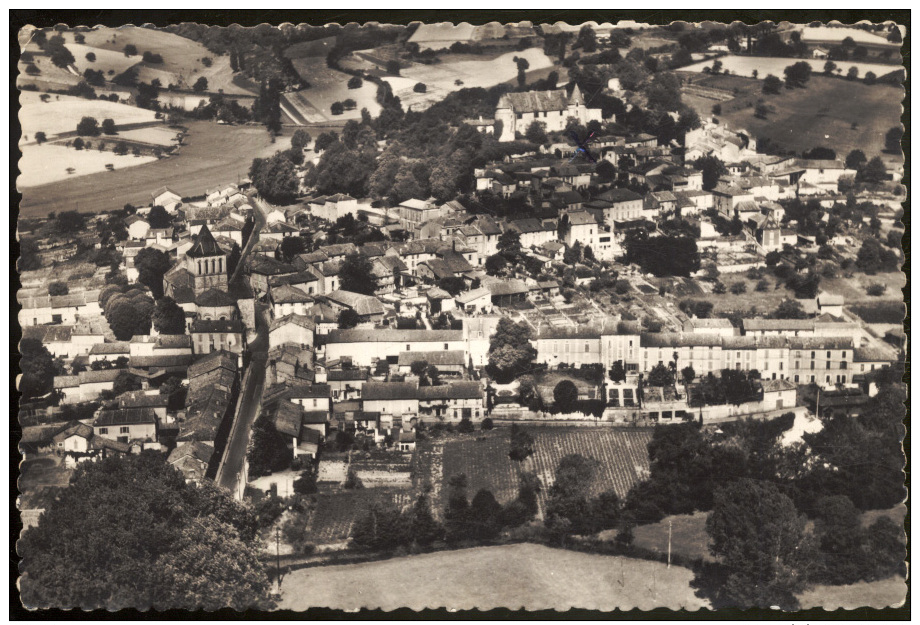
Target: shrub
point(738, 288)
point(487, 424)
point(876, 289)
point(420, 87)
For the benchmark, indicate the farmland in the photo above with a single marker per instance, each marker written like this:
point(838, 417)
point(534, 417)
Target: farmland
point(62, 113)
point(510, 576)
point(745, 65)
point(212, 155)
point(622, 456)
point(328, 86)
point(336, 512)
point(43, 164)
point(832, 112)
point(473, 70)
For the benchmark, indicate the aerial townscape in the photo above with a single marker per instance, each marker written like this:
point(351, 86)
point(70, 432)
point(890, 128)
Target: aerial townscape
point(461, 316)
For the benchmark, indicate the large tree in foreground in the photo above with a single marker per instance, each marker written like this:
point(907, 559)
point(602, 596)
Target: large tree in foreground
point(510, 351)
point(760, 538)
point(355, 275)
point(130, 533)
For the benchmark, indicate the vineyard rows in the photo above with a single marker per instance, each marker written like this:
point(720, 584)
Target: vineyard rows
point(335, 513)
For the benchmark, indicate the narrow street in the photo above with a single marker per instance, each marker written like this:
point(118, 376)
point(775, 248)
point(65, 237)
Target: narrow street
point(230, 474)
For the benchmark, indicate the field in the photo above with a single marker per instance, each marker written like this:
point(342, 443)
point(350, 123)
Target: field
point(62, 113)
point(162, 136)
point(511, 576)
point(745, 65)
point(44, 164)
point(854, 289)
point(622, 456)
point(328, 86)
point(213, 155)
point(891, 592)
point(472, 70)
point(336, 512)
point(822, 114)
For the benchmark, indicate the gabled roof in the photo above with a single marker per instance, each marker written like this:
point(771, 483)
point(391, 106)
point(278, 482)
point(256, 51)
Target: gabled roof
point(361, 304)
point(205, 245)
point(287, 418)
point(287, 294)
point(214, 298)
point(437, 358)
point(125, 416)
point(293, 319)
point(358, 335)
point(534, 101)
point(389, 390)
point(619, 195)
point(775, 386)
point(454, 390)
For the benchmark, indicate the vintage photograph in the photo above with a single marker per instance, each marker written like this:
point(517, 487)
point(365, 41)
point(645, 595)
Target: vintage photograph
point(461, 316)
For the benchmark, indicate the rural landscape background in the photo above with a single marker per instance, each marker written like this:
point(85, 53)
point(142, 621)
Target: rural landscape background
point(542, 498)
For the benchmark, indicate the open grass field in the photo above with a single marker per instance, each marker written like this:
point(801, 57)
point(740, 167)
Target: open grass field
point(213, 155)
point(44, 164)
point(822, 114)
point(745, 65)
point(891, 592)
point(511, 576)
point(336, 512)
point(472, 70)
point(156, 135)
point(328, 86)
point(854, 289)
point(62, 113)
point(622, 459)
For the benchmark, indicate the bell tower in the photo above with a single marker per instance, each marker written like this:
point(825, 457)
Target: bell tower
point(207, 262)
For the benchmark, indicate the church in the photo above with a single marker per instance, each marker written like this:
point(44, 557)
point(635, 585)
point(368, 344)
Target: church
point(516, 111)
point(203, 268)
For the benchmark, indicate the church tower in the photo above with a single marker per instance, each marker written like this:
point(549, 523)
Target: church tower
point(207, 263)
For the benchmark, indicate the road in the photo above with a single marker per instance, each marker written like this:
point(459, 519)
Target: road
point(230, 473)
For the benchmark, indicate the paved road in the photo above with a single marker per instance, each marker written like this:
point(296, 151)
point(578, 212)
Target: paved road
point(230, 473)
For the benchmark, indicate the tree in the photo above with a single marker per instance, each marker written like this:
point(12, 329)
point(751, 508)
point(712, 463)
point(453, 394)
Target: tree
point(424, 529)
point(88, 127)
point(852, 73)
point(129, 316)
point(157, 217)
point(797, 74)
point(58, 52)
point(108, 126)
point(713, 168)
point(176, 544)
point(300, 139)
point(348, 318)
point(337, 108)
point(536, 132)
point(870, 78)
point(420, 87)
point(829, 68)
point(510, 350)
point(893, 139)
point(509, 243)
point(565, 395)
point(760, 538)
point(487, 424)
point(761, 111)
point(495, 264)
point(355, 82)
point(772, 84)
point(355, 274)
point(738, 288)
point(291, 247)
point(874, 172)
point(660, 375)
point(40, 137)
point(201, 85)
point(169, 318)
point(393, 67)
point(855, 159)
point(587, 39)
point(567, 508)
point(130, 50)
point(617, 373)
point(91, 57)
point(485, 516)
point(521, 444)
point(268, 452)
point(38, 368)
point(58, 288)
point(275, 178)
point(124, 383)
point(152, 265)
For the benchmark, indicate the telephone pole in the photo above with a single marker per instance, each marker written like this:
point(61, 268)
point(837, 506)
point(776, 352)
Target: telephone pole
point(278, 555)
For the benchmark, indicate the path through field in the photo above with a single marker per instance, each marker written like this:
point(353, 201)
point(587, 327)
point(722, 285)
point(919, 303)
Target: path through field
point(512, 576)
point(213, 155)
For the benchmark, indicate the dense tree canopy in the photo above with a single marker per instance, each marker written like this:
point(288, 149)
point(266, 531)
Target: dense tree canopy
point(275, 178)
point(510, 350)
point(152, 265)
point(355, 274)
point(129, 532)
point(662, 255)
point(168, 318)
point(38, 368)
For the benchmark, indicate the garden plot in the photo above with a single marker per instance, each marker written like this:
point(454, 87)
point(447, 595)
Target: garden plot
point(41, 164)
point(471, 70)
point(62, 113)
point(328, 86)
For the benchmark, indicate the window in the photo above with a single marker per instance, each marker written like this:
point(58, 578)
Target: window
point(407, 349)
point(843, 354)
point(445, 346)
point(812, 355)
point(812, 366)
point(780, 366)
point(828, 354)
point(314, 402)
point(587, 348)
point(103, 431)
point(843, 364)
point(124, 429)
point(796, 378)
point(520, 116)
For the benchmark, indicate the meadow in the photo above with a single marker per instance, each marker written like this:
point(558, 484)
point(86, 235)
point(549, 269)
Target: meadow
point(48, 163)
point(61, 114)
point(327, 86)
point(511, 576)
point(745, 65)
point(840, 114)
point(212, 155)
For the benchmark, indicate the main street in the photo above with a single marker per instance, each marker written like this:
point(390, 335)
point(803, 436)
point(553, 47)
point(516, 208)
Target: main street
point(230, 473)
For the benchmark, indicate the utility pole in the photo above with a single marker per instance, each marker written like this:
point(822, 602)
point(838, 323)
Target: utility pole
point(669, 543)
point(278, 555)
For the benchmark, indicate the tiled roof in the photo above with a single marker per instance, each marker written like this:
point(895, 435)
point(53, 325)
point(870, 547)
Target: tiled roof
point(533, 101)
point(125, 416)
point(213, 298)
point(210, 326)
point(455, 390)
point(437, 358)
point(205, 245)
point(358, 335)
point(389, 390)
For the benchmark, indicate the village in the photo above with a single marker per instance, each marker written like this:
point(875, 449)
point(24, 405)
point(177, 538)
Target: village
point(317, 352)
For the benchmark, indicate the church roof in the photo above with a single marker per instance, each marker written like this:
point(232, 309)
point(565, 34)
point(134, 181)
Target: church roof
point(205, 245)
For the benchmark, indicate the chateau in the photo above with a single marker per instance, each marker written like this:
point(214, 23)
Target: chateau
point(516, 111)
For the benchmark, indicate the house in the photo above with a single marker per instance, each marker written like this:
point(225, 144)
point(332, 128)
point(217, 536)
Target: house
point(291, 329)
point(204, 267)
point(388, 273)
point(625, 205)
point(830, 304)
point(580, 226)
point(278, 231)
point(506, 292)
point(347, 384)
point(162, 345)
point(301, 429)
point(262, 269)
point(137, 227)
point(368, 308)
point(127, 424)
point(414, 212)
point(719, 326)
point(191, 459)
point(475, 301)
point(516, 111)
point(85, 386)
point(304, 280)
point(534, 232)
point(453, 401)
point(167, 198)
point(778, 394)
point(391, 398)
point(288, 300)
point(209, 335)
point(439, 301)
point(75, 439)
point(366, 347)
point(58, 340)
point(406, 440)
point(212, 391)
point(215, 304)
point(229, 228)
point(291, 363)
point(449, 362)
point(152, 400)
